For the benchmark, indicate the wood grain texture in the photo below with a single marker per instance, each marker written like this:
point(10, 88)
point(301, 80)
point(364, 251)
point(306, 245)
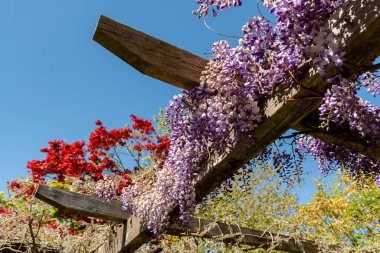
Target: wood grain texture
point(115, 242)
point(72, 202)
point(137, 235)
point(356, 24)
point(195, 64)
point(235, 234)
point(149, 55)
point(132, 233)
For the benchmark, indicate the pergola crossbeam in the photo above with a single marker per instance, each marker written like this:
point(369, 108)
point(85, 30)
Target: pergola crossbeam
point(130, 230)
point(190, 73)
point(355, 26)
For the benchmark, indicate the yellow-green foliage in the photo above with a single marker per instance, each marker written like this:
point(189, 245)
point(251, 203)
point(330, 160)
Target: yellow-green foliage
point(255, 198)
point(344, 212)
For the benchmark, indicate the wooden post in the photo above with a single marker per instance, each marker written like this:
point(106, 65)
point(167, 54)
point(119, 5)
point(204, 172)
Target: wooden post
point(71, 202)
point(129, 236)
point(355, 26)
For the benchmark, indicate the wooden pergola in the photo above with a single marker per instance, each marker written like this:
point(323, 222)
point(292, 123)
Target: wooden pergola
point(356, 26)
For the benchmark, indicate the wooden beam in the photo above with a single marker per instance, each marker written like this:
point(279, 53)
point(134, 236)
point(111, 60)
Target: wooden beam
point(72, 202)
point(235, 234)
point(356, 26)
point(122, 240)
point(191, 69)
point(146, 53)
point(115, 242)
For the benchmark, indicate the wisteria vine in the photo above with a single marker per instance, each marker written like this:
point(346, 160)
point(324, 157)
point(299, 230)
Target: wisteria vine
point(203, 120)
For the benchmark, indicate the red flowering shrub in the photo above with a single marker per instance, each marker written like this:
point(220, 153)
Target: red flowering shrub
point(160, 149)
point(81, 166)
point(144, 126)
point(62, 159)
point(124, 182)
point(101, 155)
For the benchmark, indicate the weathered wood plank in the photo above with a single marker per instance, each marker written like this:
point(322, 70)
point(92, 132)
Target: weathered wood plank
point(72, 202)
point(356, 24)
point(137, 234)
point(146, 53)
point(196, 64)
point(235, 234)
point(128, 236)
point(115, 242)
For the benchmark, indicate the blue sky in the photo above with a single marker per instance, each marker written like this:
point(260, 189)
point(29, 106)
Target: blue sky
point(56, 81)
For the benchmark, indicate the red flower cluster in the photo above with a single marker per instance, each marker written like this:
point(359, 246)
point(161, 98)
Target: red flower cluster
point(72, 231)
point(62, 159)
point(98, 157)
point(14, 185)
point(102, 140)
point(160, 149)
point(144, 126)
point(126, 181)
point(52, 225)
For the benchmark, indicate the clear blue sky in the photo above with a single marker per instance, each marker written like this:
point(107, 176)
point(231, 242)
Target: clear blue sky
point(56, 81)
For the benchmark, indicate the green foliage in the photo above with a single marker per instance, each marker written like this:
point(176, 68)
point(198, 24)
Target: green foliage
point(255, 197)
point(162, 123)
point(345, 212)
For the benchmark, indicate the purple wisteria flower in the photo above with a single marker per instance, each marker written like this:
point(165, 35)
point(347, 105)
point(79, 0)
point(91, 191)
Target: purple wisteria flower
point(332, 157)
point(222, 5)
point(343, 106)
point(106, 190)
point(211, 118)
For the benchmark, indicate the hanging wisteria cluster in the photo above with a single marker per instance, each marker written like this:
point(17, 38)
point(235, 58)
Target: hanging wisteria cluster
point(342, 105)
point(224, 108)
point(332, 157)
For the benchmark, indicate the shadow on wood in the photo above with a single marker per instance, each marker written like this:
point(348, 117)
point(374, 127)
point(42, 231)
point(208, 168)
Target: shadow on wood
point(133, 233)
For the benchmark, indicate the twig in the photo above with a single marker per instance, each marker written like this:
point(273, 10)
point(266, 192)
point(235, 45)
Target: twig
point(219, 33)
point(118, 158)
point(261, 14)
point(10, 249)
point(34, 248)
